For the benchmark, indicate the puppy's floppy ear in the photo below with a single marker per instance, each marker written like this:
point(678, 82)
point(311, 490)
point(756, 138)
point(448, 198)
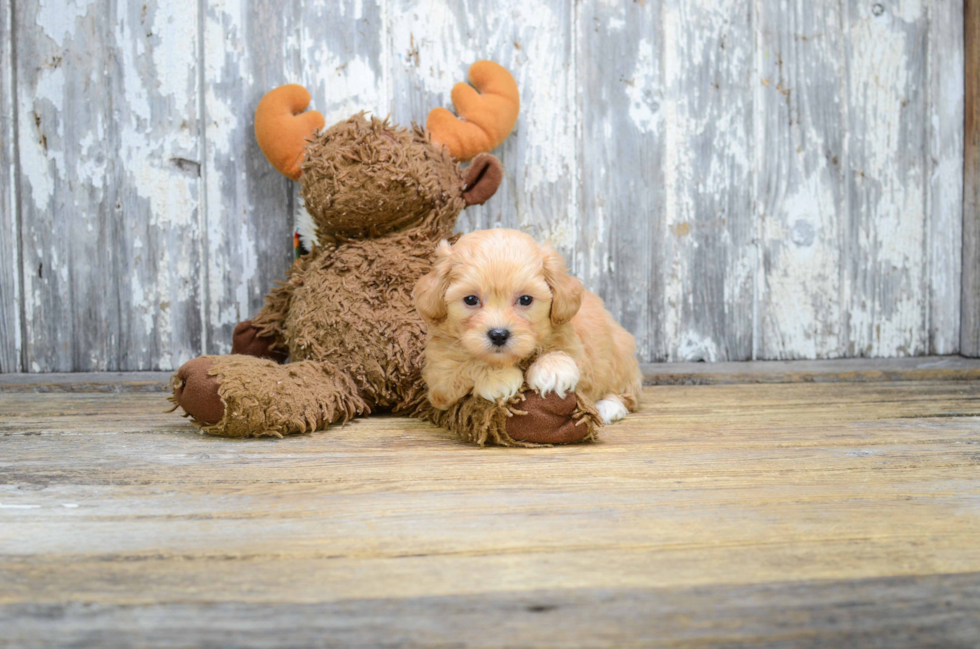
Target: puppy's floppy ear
point(566, 291)
point(430, 290)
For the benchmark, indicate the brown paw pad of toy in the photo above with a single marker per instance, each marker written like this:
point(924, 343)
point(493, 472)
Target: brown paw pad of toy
point(196, 391)
point(549, 420)
point(246, 340)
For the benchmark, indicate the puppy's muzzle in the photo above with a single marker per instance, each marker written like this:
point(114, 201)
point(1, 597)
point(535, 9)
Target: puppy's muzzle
point(499, 337)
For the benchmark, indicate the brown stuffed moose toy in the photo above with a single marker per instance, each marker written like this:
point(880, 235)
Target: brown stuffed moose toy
point(379, 198)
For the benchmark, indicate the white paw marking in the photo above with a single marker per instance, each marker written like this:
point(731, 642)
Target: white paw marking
point(611, 410)
point(500, 385)
point(555, 372)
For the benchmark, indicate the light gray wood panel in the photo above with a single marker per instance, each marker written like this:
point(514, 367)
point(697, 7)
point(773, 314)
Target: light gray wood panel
point(800, 187)
point(885, 287)
point(156, 188)
point(342, 57)
point(108, 143)
point(249, 48)
point(970, 296)
point(763, 180)
point(432, 46)
point(944, 168)
point(10, 294)
point(710, 255)
point(63, 102)
point(621, 215)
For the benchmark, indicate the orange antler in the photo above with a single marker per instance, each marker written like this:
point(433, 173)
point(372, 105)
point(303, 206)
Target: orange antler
point(487, 114)
point(282, 128)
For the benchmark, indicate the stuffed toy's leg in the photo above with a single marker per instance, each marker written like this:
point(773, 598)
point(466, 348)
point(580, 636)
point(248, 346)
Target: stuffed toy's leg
point(245, 396)
point(528, 419)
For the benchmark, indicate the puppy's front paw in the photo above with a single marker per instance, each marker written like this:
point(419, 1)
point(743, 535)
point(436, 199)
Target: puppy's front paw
point(555, 372)
point(500, 384)
point(611, 409)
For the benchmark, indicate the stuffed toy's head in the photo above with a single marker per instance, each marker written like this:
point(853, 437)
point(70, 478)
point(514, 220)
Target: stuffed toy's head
point(365, 177)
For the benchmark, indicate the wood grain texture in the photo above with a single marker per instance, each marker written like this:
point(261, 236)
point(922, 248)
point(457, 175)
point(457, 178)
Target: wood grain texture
point(65, 217)
point(800, 188)
point(107, 105)
point(970, 302)
point(766, 180)
point(944, 168)
point(711, 258)
point(786, 514)
point(10, 287)
point(155, 187)
point(343, 49)
point(621, 218)
point(885, 279)
point(888, 612)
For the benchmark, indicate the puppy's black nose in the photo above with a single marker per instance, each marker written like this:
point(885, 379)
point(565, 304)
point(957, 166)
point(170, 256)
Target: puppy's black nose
point(498, 336)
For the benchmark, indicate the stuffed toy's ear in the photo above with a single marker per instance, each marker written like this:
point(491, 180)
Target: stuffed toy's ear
point(282, 128)
point(566, 291)
point(430, 290)
point(487, 114)
point(481, 179)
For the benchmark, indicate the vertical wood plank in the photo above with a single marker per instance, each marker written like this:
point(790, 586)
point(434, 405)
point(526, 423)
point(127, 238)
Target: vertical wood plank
point(945, 173)
point(10, 331)
point(432, 46)
point(64, 101)
point(342, 57)
point(250, 47)
point(621, 229)
point(155, 185)
point(710, 245)
point(885, 279)
point(108, 184)
point(970, 297)
point(800, 189)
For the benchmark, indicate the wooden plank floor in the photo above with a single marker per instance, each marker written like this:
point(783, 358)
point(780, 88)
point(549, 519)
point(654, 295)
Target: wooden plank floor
point(807, 514)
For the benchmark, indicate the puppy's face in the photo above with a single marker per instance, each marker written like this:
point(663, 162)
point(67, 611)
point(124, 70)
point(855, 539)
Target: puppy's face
point(498, 294)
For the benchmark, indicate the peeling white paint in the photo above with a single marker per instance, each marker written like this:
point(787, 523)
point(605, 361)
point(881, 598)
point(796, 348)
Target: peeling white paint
point(224, 45)
point(707, 167)
point(57, 19)
point(694, 348)
point(889, 319)
point(687, 86)
point(642, 89)
point(37, 151)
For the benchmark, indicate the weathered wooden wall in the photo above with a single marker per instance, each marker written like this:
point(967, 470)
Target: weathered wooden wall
point(970, 327)
point(766, 179)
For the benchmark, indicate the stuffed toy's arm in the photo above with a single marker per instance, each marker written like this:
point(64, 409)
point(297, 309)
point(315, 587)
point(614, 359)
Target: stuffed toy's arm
point(264, 335)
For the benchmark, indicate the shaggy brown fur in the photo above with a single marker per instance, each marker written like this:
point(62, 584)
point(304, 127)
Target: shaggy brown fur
point(381, 198)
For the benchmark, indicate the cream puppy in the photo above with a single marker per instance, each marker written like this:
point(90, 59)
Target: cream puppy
point(496, 299)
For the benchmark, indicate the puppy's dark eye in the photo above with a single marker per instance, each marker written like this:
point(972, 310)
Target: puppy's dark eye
point(471, 300)
point(525, 300)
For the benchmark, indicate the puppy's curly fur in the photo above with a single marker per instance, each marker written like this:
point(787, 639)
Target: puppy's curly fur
point(494, 301)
